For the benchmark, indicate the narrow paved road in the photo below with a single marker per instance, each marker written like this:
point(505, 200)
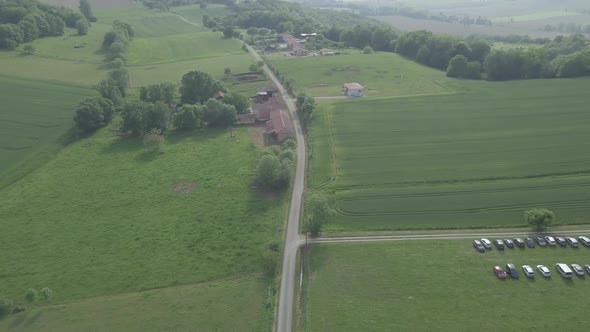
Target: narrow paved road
point(292, 243)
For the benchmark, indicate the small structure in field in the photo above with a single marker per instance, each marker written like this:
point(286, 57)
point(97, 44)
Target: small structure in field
point(299, 51)
point(352, 90)
point(279, 127)
point(326, 52)
point(285, 37)
point(219, 95)
point(265, 93)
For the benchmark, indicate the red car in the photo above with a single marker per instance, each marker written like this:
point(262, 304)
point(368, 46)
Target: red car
point(499, 272)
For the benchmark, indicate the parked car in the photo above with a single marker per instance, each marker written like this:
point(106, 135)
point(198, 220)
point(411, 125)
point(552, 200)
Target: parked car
point(560, 241)
point(499, 244)
point(564, 270)
point(499, 272)
point(477, 245)
point(509, 243)
point(519, 242)
point(578, 270)
point(572, 241)
point(587, 266)
point(511, 270)
point(528, 271)
point(550, 241)
point(585, 241)
point(486, 243)
point(530, 242)
point(541, 241)
point(544, 271)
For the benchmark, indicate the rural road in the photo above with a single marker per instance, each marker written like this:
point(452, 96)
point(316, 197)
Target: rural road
point(292, 243)
point(458, 236)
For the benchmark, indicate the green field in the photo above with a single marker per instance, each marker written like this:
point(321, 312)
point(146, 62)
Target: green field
point(533, 16)
point(382, 74)
point(182, 308)
point(34, 117)
point(472, 159)
point(105, 217)
point(439, 285)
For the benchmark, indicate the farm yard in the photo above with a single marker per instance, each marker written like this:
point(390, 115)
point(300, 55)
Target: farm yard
point(471, 159)
point(392, 286)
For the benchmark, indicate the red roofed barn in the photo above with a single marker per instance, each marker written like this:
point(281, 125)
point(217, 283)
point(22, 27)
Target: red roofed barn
point(279, 127)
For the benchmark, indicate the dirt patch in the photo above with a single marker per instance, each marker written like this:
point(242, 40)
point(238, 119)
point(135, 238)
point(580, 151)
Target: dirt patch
point(256, 133)
point(183, 188)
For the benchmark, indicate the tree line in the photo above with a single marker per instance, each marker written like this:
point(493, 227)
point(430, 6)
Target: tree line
point(23, 21)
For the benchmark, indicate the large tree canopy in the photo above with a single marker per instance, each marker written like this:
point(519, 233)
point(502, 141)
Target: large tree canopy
point(198, 87)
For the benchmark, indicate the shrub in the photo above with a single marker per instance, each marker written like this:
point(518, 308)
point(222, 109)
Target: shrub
point(47, 293)
point(6, 307)
point(368, 50)
point(31, 295)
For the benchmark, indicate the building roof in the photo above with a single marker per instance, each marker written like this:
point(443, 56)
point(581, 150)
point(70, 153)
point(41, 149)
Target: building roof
point(279, 123)
point(267, 89)
point(352, 86)
point(218, 94)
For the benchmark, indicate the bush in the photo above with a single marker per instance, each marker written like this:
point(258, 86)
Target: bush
point(153, 139)
point(368, 50)
point(539, 218)
point(31, 295)
point(47, 293)
point(6, 307)
point(82, 26)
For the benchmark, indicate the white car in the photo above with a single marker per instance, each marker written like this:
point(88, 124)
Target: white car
point(550, 241)
point(572, 241)
point(585, 240)
point(528, 271)
point(578, 270)
point(544, 270)
point(486, 243)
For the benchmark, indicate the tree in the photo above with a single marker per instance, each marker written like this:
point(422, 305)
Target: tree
point(121, 79)
point(157, 117)
point(86, 10)
point(134, 119)
point(368, 50)
point(189, 117)
point(47, 293)
point(239, 101)
point(31, 295)
point(108, 89)
point(318, 211)
point(11, 35)
point(198, 87)
point(219, 114)
point(255, 68)
point(93, 113)
point(539, 218)
point(164, 92)
point(227, 72)
point(461, 48)
point(153, 140)
point(82, 26)
point(266, 170)
point(228, 32)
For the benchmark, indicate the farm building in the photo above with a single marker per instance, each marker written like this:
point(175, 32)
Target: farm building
point(299, 51)
point(279, 127)
point(285, 37)
point(352, 90)
point(247, 118)
point(326, 52)
point(219, 95)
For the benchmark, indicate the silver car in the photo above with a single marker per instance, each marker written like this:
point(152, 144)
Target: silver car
point(486, 243)
point(528, 271)
point(544, 271)
point(578, 270)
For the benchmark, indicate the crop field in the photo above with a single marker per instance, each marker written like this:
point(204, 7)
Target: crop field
point(473, 159)
point(161, 24)
point(180, 308)
point(382, 74)
point(435, 285)
point(28, 131)
point(195, 14)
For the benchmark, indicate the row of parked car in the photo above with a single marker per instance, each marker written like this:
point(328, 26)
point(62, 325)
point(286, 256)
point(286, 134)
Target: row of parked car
point(561, 268)
point(483, 244)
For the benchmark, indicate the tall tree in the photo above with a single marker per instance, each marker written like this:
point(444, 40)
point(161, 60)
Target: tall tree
point(93, 113)
point(198, 87)
point(539, 218)
point(86, 10)
point(318, 211)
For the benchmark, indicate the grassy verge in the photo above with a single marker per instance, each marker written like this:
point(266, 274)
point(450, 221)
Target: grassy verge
point(426, 285)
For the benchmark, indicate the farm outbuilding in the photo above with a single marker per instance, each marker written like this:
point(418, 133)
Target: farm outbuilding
point(352, 89)
point(279, 127)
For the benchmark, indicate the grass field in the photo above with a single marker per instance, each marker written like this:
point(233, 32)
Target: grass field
point(34, 117)
point(205, 307)
point(382, 74)
point(195, 14)
point(472, 159)
point(440, 285)
point(533, 16)
point(126, 228)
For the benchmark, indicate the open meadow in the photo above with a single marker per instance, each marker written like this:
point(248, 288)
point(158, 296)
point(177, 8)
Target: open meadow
point(382, 74)
point(153, 241)
point(439, 285)
point(477, 158)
